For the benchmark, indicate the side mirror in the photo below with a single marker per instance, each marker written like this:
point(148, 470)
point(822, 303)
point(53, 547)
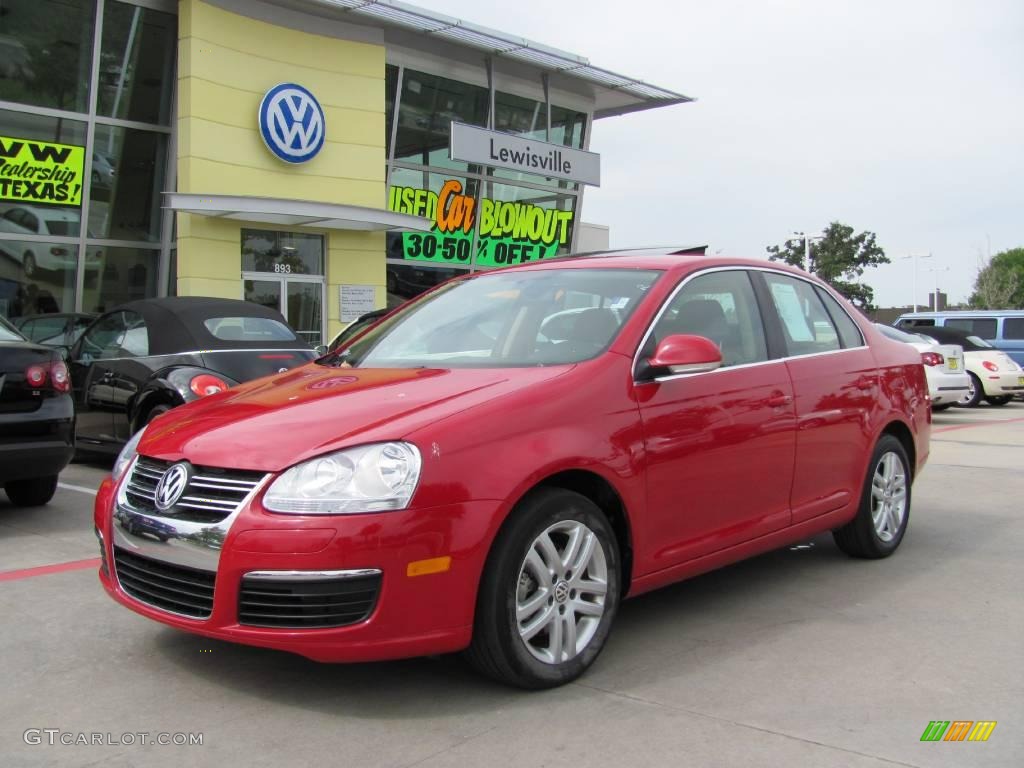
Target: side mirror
point(682, 353)
point(321, 350)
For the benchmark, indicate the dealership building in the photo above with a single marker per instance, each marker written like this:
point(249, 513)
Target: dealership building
point(324, 157)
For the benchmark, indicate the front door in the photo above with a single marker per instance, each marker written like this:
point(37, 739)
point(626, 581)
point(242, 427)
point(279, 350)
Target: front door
point(299, 300)
point(285, 271)
point(719, 445)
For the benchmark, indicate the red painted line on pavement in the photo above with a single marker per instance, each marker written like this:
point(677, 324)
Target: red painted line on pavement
point(976, 424)
point(45, 570)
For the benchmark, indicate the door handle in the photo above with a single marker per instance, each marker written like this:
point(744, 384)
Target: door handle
point(779, 399)
point(107, 377)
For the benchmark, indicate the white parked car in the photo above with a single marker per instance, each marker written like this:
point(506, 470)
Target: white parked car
point(35, 256)
point(994, 375)
point(948, 381)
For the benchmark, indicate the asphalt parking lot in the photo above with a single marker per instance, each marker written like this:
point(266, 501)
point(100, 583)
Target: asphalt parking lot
point(799, 657)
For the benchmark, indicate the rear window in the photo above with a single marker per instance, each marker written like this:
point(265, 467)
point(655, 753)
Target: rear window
point(253, 330)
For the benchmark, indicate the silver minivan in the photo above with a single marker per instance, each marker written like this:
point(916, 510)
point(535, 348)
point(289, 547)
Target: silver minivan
point(1002, 328)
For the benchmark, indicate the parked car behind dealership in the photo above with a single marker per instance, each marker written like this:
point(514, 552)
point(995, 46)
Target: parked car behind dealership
point(55, 329)
point(948, 380)
point(145, 357)
point(455, 479)
point(1002, 328)
point(994, 376)
point(36, 418)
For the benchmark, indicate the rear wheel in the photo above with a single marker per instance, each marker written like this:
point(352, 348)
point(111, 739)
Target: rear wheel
point(998, 400)
point(549, 592)
point(884, 510)
point(974, 393)
point(31, 493)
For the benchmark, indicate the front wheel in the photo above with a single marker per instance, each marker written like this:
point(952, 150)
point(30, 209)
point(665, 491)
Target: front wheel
point(549, 592)
point(999, 399)
point(942, 407)
point(31, 493)
point(884, 510)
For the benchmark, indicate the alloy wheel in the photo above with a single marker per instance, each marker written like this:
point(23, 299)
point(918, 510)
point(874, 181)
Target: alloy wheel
point(888, 496)
point(560, 592)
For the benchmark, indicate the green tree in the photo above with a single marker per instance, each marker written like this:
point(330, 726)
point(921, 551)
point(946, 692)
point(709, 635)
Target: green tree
point(838, 258)
point(1000, 283)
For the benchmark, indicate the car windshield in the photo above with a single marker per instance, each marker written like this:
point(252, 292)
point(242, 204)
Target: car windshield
point(898, 335)
point(506, 319)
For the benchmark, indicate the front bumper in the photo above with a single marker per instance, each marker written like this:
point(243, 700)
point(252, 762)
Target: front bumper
point(38, 443)
point(413, 615)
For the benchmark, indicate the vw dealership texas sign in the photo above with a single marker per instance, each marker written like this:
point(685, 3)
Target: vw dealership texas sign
point(476, 145)
point(292, 123)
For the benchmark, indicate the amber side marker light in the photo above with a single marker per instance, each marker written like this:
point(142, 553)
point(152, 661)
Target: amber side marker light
point(425, 567)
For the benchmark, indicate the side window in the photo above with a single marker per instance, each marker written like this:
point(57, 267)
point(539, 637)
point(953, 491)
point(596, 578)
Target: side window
point(849, 333)
point(1013, 328)
point(985, 327)
point(136, 337)
point(720, 306)
point(912, 322)
point(103, 341)
point(806, 325)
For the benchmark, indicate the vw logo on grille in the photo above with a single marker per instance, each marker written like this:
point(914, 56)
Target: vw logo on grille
point(292, 123)
point(171, 486)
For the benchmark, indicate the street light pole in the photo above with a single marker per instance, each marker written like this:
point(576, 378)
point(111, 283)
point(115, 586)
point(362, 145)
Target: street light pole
point(915, 257)
point(807, 248)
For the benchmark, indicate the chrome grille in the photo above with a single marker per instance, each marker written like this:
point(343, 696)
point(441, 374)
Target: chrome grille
point(212, 493)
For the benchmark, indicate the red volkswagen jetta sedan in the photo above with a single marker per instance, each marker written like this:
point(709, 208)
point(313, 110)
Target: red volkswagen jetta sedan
point(497, 464)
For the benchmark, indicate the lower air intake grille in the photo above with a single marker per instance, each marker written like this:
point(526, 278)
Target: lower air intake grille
point(268, 602)
point(173, 588)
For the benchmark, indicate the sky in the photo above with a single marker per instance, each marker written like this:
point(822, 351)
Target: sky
point(901, 117)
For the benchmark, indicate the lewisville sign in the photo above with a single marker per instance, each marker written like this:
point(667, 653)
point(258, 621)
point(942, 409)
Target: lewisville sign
point(508, 232)
point(500, 150)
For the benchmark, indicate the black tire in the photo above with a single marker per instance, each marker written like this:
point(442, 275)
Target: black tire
point(859, 537)
point(942, 407)
point(974, 396)
point(497, 650)
point(156, 410)
point(31, 493)
point(998, 400)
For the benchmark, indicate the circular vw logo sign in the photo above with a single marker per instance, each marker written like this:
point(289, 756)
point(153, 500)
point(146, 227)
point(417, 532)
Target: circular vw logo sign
point(171, 486)
point(292, 123)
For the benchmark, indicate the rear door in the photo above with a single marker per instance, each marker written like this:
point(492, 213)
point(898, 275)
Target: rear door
point(835, 383)
point(719, 446)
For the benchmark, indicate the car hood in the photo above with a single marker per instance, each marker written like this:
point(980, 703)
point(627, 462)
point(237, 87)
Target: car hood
point(275, 422)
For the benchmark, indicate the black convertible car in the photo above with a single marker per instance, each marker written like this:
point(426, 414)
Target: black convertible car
point(145, 357)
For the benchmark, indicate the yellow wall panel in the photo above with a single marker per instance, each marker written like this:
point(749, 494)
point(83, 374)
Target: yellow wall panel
point(247, 72)
point(245, 147)
point(236, 107)
point(289, 46)
point(211, 177)
point(202, 286)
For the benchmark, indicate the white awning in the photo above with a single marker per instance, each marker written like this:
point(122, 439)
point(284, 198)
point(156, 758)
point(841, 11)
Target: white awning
point(296, 213)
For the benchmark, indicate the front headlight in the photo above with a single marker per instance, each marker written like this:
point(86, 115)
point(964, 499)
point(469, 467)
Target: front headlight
point(370, 478)
point(124, 458)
